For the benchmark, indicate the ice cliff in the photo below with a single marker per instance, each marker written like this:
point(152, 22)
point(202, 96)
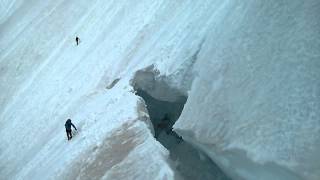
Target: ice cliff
point(244, 75)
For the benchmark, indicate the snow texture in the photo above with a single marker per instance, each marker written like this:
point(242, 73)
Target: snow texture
point(250, 69)
point(258, 87)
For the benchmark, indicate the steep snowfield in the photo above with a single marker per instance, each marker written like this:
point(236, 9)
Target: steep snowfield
point(250, 70)
point(45, 79)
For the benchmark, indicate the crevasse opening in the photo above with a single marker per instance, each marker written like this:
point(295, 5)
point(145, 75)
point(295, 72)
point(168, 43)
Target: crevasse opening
point(164, 108)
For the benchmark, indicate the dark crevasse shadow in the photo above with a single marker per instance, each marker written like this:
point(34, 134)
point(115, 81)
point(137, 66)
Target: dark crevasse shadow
point(188, 162)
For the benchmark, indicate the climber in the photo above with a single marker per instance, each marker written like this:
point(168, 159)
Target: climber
point(77, 40)
point(68, 125)
point(163, 125)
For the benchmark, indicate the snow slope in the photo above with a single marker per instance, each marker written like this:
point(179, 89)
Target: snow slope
point(250, 70)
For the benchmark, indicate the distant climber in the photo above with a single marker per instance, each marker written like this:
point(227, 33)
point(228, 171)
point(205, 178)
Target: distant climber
point(77, 40)
point(163, 125)
point(68, 125)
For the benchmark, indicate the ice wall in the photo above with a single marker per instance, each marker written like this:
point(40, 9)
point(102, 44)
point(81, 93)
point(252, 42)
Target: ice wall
point(255, 105)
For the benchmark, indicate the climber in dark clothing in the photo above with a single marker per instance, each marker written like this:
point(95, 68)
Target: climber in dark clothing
point(68, 125)
point(77, 40)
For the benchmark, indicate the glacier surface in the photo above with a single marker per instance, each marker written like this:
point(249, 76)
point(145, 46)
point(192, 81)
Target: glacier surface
point(250, 70)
